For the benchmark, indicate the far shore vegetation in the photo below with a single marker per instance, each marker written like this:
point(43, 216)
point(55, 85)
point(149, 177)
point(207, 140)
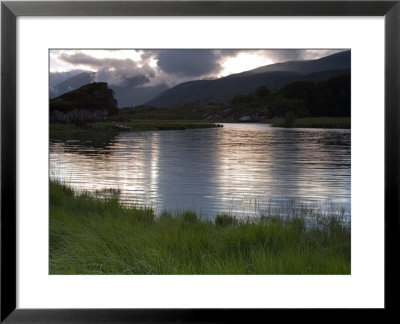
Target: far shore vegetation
point(132, 125)
point(90, 234)
point(311, 122)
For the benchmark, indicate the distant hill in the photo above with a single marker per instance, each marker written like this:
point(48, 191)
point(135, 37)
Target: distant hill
point(132, 93)
point(72, 83)
point(56, 78)
point(273, 76)
point(92, 102)
point(337, 61)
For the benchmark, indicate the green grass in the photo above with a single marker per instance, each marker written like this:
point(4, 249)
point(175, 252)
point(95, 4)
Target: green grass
point(313, 122)
point(89, 235)
point(60, 129)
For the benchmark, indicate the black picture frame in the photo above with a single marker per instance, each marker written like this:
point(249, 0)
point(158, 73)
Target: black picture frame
point(10, 10)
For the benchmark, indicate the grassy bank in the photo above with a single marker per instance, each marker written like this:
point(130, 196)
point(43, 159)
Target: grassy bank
point(313, 122)
point(89, 235)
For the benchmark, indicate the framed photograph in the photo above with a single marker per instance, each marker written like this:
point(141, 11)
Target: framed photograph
point(195, 161)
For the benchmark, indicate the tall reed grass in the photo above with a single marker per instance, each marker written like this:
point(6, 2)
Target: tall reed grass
point(89, 235)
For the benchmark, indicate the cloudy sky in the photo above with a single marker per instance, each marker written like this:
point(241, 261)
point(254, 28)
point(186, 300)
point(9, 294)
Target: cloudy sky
point(171, 67)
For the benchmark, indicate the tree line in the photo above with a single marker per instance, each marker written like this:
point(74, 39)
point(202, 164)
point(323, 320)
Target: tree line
point(330, 97)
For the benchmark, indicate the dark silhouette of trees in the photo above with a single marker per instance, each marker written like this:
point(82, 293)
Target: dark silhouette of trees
point(302, 98)
point(262, 92)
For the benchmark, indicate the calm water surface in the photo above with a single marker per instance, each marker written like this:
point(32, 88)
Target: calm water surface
point(242, 169)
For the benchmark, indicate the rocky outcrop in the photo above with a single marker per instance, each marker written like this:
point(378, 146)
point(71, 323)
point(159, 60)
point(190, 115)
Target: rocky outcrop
point(90, 103)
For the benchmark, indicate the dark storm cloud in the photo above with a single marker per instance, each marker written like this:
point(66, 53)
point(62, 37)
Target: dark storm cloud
point(191, 63)
point(82, 59)
point(111, 70)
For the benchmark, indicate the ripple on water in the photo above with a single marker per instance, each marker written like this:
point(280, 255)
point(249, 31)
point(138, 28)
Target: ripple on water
point(242, 169)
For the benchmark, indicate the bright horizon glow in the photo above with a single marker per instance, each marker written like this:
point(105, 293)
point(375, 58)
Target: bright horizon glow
point(243, 62)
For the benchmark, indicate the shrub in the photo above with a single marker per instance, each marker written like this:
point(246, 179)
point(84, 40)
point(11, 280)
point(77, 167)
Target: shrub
point(262, 92)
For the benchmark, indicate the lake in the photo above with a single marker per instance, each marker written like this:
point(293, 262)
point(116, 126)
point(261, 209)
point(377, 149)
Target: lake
point(243, 169)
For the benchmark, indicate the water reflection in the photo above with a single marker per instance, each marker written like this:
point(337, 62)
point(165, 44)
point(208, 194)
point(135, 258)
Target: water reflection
point(241, 168)
point(87, 143)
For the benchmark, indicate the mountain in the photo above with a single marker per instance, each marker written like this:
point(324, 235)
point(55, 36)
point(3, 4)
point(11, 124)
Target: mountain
point(138, 95)
point(273, 76)
point(133, 93)
point(72, 83)
point(56, 78)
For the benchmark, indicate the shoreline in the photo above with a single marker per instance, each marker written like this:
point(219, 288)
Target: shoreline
point(134, 125)
point(161, 125)
point(312, 122)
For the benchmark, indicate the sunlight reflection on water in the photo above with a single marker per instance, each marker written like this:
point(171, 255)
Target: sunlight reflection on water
point(241, 169)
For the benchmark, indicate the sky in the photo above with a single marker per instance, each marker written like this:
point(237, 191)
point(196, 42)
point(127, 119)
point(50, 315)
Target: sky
point(171, 66)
